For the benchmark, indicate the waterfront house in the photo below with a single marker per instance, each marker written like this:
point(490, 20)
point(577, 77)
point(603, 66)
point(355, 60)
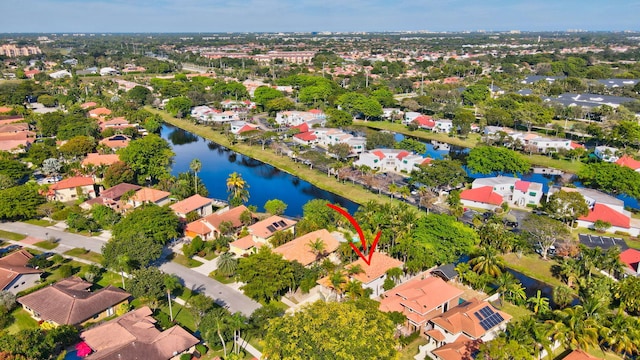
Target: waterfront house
point(511, 189)
point(472, 321)
point(200, 205)
point(420, 299)
point(295, 118)
point(606, 153)
point(390, 160)
point(116, 142)
point(111, 197)
point(481, 197)
point(134, 336)
point(375, 274)
point(96, 159)
point(629, 162)
point(71, 302)
point(149, 196)
point(15, 275)
point(71, 189)
point(118, 123)
point(299, 249)
point(239, 127)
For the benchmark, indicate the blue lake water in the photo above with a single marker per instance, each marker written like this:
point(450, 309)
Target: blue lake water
point(265, 181)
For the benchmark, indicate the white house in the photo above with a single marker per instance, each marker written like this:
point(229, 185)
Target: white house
point(409, 116)
point(443, 126)
point(295, 118)
point(106, 71)
point(391, 113)
point(238, 127)
point(606, 153)
point(60, 74)
point(390, 160)
point(545, 145)
point(510, 189)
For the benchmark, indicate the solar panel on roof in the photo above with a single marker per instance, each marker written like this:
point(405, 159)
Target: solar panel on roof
point(477, 314)
point(282, 223)
point(491, 321)
point(486, 311)
point(271, 228)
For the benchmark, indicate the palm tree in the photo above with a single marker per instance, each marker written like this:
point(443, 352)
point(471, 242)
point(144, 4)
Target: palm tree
point(569, 270)
point(622, 333)
point(573, 329)
point(539, 303)
point(337, 280)
point(227, 264)
point(487, 262)
point(195, 166)
point(237, 189)
point(355, 270)
point(317, 247)
point(171, 282)
point(123, 265)
point(354, 289)
point(510, 288)
point(237, 322)
point(562, 296)
point(611, 261)
point(394, 274)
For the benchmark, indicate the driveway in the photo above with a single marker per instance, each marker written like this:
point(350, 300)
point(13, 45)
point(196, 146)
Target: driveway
point(222, 294)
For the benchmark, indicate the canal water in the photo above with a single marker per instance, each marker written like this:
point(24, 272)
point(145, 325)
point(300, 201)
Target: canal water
point(265, 181)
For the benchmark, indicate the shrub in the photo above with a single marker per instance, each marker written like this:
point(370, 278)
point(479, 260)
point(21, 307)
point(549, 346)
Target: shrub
point(186, 356)
point(201, 349)
point(66, 270)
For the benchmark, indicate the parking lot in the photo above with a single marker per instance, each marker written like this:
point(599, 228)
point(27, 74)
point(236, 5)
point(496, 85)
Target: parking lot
point(603, 242)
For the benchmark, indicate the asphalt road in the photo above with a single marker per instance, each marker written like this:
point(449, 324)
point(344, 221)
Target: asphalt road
point(222, 294)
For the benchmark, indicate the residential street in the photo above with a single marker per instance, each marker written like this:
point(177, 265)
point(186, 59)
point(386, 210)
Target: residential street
point(223, 294)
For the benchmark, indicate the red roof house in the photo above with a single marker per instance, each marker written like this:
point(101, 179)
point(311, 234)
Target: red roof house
point(483, 197)
point(629, 162)
point(607, 214)
point(631, 258)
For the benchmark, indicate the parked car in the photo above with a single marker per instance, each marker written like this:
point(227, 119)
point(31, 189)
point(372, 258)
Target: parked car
point(8, 249)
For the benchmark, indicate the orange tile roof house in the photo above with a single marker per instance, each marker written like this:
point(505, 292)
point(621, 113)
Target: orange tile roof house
point(420, 300)
point(374, 275)
point(208, 227)
point(244, 246)
point(579, 355)
point(263, 230)
point(96, 159)
point(115, 123)
point(629, 162)
point(148, 195)
point(299, 250)
point(631, 258)
point(89, 104)
point(134, 336)
point(99, 112)
point(462, 348)
point(15, 276)
point(201, 205)
point(116, 141)
point(472, 320)
point(71, 188)
point(70, 302)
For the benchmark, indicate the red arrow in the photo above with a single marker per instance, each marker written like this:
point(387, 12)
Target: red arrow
point(363, 241)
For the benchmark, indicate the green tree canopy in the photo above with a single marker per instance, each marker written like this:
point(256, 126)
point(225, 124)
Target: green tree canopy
point(489, 160)
point(15, 170)
point(475, 94)
point(338, 118)
point(149, 157)
point(140, 95)
point(263, 94)
point(331, 330)
point(20, 202)
point(266, 275)
point(138, 250)
point(275, 206)
point(117, 173)
point(439, 174)
point(147, 283)
point(78, 146)
point(612, 178)
point(410, 144)
point(179, 106)
point(155, 222)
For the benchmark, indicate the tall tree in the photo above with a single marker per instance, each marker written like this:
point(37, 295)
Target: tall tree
point(227, 264)
point(237, 189)
point(171, 283)
point(195, 166)
point(266, 274)
point(544, 232)
point(275, 206)
point(567, 206)
point(150, 157)
point(357, 333)
point(489, 160)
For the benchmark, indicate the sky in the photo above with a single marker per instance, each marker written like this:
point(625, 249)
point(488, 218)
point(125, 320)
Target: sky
point(210, 16)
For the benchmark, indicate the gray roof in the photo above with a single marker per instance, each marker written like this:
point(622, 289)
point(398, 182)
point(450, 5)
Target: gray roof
point(497, 180)
point(447, 272)
point(535, 78)
point(613, 83)
point(588, 100)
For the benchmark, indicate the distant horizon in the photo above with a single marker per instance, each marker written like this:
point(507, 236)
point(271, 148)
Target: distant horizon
point(290, 16)
point(327, 33)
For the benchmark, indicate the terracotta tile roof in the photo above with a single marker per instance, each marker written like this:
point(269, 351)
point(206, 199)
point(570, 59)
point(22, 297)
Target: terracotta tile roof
point(5, 109)
point(576, 145)
point(380, 263)
point(8, 145)
point(315, 111)
point(150, 195)
point(629, 162)
point(436, 334)
point(135, 336)
point(22, 135)
point(100, 159)
point(14, 127)
point(482, 194)
point(631, 257)
point(522, 185)
point(461, 349)
point(605, 213)
point(198, 227)
point(14, 265)
point(579, 355)
point(116, 141)
point(231, 215)
point(378, 153)
point(72, 182)
point(298, 249)
point(8, 119)
point(419, 297)
point(462, 318)
point(425, 121)
point(304, 127)
point(402, 154)
point(190, 204)
point(101, 111)
point(265, 228)
point(115, 192)
point(244, 243)
point(426, 161)
point(69, 302)
point(306, 136)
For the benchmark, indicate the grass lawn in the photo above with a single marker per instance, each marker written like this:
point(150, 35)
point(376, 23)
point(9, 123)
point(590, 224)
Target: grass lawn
point(110, 278)
point(533, 266)
point(47, 245)
point(221, 278)
point(470, 142)
point(518, 312)
point(11, 235)
point(181, 315)
point(411, 350)
point(184, 261)
point(85, 254)
point(183, 293)
point(635, 244)
point(40, 222)
point(353, 192)
point(211, 255)
point(52, 274)
point(255, 342)
point(21, 321)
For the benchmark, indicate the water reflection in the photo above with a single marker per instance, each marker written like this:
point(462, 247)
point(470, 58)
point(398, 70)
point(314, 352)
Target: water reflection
point(265, 181)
